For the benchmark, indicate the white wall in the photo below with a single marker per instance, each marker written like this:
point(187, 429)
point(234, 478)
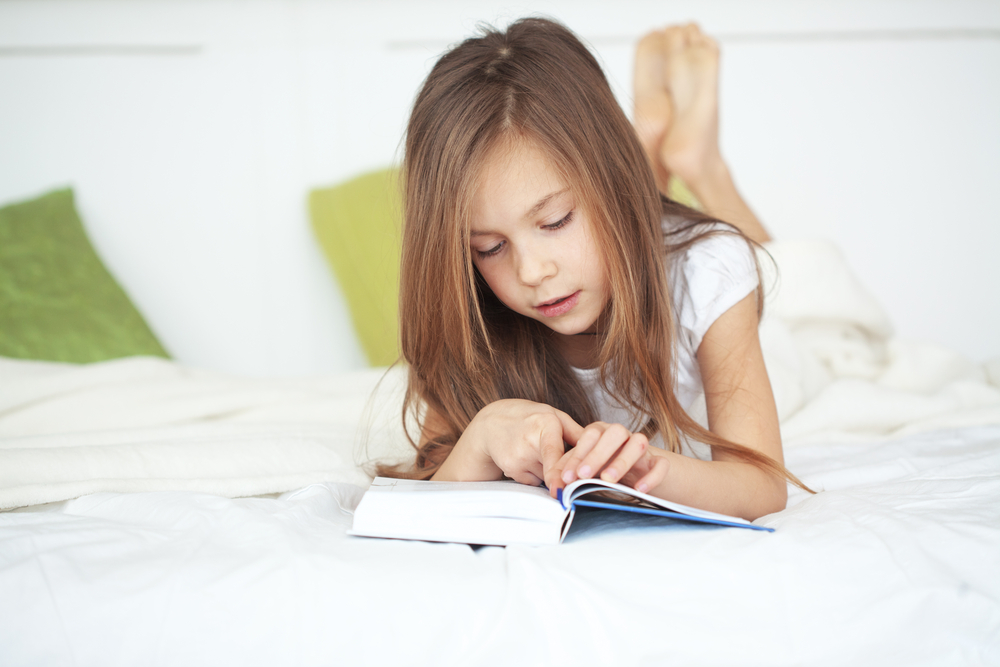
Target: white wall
point(192, 132)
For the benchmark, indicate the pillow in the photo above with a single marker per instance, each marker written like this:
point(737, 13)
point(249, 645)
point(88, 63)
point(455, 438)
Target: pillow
point(358, 226)
point(679, 192)
point(57, 301)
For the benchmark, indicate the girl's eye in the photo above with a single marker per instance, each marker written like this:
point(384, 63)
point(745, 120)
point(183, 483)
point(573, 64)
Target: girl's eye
point(558, 224)
point(561, 223)
point(489, 253)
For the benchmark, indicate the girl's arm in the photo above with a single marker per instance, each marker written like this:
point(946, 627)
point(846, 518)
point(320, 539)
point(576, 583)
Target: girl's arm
point(741, 409)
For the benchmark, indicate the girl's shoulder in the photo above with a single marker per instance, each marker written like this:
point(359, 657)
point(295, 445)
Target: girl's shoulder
point(710, 268)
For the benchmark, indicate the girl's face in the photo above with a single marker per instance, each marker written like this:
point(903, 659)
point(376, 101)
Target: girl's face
point(532, 242)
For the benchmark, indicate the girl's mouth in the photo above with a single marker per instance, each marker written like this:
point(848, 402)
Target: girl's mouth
point(559, 306)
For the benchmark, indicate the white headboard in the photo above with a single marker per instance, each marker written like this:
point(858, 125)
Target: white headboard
point(192, 132)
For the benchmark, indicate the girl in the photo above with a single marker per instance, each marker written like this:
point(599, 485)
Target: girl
point(558, 311)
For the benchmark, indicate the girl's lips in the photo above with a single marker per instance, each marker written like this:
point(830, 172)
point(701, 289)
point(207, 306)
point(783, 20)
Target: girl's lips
point(559, 307)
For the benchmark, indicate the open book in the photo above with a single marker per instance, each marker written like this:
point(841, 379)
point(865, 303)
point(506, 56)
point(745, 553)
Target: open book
point(504, 512)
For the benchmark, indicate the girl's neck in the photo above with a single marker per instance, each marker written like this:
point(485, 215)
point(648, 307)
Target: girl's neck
point(580, 350)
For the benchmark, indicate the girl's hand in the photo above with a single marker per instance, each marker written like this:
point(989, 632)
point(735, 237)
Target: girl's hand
point(519, 439)
point(649, 471)
point(617, 454)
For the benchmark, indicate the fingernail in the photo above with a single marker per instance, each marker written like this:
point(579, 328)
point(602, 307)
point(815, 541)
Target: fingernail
point(567, 476)
point(584, 471)
point(609, 475)
point(642, 487)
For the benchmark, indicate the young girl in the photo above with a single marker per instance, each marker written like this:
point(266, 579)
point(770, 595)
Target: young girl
point(558, 312)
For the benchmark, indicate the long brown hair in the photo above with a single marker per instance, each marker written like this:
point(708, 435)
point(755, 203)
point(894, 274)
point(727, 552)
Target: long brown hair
point(536, 82)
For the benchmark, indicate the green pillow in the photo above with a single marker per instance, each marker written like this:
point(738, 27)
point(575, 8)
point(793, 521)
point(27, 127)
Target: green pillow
point(679, 192)
point(358, 225)
point(57, 301)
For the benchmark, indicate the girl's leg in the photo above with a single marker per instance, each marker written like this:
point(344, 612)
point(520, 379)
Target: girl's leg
point(653, 109)
point(688, 146)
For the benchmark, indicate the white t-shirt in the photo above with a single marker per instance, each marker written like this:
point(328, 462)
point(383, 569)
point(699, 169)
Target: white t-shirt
point(706, 280)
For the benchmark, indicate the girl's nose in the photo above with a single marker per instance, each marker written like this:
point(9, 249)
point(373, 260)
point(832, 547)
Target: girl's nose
point(534, 267)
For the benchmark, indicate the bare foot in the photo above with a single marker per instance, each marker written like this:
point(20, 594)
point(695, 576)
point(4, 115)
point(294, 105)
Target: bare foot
point(677, 120)
point(653, 109)
point(691, 76)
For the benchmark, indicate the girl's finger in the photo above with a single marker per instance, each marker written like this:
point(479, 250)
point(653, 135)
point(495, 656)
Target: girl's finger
point(537, 471)
point(565, 459)
point(586, 442)
point(525, 477)
point(627, 457)
point(571, 431)
point(551, 450)
point(557, 473)
point(655, 475)
point(610, 442)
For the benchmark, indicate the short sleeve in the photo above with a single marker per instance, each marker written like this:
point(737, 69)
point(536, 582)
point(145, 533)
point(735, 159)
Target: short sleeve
point(709, 278)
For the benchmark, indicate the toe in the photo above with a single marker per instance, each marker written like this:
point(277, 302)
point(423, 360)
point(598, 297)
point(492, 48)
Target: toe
point(674, 39)
point(650, 43)
point(647, 72)
point(701, 39)
point(692, 34)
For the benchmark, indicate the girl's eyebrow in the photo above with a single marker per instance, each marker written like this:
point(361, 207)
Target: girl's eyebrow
point(543, 201)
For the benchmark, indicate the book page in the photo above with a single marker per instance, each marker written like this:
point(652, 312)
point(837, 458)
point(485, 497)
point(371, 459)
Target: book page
point(583, 487)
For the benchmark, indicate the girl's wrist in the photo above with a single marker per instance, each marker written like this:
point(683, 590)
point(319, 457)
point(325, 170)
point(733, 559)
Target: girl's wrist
point(468, 461)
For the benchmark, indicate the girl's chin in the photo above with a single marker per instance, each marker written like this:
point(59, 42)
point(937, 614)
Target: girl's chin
point(569, 329)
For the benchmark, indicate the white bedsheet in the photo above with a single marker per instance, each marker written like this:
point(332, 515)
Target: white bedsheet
point(146, 553)
point(896, 562)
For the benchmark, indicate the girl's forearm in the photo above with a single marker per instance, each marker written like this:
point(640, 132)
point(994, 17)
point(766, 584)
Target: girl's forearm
point(727, 487)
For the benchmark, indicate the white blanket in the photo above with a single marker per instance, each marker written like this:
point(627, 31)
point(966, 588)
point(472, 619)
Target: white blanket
point(151, 425)
point(837, 371)
point(146, 424)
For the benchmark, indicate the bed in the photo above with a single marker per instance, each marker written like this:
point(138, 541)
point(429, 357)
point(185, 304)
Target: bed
point(156, 512)
point(160, 514)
